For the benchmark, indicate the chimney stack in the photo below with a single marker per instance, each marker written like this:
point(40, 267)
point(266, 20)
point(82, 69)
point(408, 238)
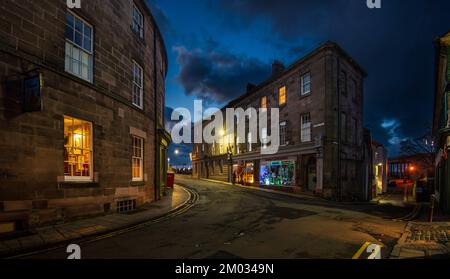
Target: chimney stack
point(250, 87)
point(277, 68)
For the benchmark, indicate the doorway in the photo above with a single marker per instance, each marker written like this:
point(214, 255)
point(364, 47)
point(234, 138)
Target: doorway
point(311, 174)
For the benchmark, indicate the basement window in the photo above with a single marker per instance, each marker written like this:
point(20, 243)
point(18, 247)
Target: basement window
point(126, 206)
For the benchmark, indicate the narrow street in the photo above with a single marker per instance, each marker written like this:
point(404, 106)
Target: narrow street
point(233, 222)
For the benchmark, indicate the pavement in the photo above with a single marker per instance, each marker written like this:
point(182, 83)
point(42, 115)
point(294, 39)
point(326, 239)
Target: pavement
point(420, 238)
point(46, 238)
point(230, 222)
point(424, 241)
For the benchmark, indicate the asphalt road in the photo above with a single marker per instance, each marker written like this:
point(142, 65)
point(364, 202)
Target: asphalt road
point(232, 222)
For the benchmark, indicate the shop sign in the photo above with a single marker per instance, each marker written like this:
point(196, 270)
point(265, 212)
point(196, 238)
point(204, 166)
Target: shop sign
point(32, 93)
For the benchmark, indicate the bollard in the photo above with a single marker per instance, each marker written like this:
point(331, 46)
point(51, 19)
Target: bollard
point(433, 201)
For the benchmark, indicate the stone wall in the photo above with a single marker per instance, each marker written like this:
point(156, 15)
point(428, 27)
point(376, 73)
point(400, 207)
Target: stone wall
point(323, 105)
point(32, 144)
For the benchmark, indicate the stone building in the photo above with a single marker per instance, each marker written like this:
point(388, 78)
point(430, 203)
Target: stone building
point(441, 123)
point(81, 110)
point(320, 98)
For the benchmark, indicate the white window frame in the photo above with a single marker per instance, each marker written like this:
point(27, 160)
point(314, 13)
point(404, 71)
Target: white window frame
point(138, 27)
point(264, 137)
point(303, 84)
point(283, 130)
point(140, 158)
point(89, 178)
point(139, 84)
point(305, 126)
point(71, 45)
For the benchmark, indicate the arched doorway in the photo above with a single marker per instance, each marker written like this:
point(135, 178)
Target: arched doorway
point(311, 174)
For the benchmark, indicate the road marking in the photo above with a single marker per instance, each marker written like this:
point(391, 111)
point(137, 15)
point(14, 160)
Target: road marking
point(361, 250)
point(179, 210)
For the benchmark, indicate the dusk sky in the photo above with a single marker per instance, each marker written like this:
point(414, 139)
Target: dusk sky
point(216, 47)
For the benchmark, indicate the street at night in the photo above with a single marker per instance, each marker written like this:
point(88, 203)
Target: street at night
point(224, 138)
point(234, 222)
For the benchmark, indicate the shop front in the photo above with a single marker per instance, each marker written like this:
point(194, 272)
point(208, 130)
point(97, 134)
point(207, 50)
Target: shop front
point(244, 173)
point(278, 173)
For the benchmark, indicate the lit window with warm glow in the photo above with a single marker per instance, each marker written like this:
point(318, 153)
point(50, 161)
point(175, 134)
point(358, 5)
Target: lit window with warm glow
point(282, 95)
point(138, 159)
point(78, 149)
point(264, 102)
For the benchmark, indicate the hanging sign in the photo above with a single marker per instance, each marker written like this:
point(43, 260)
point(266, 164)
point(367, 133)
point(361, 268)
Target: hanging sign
point(32, 93)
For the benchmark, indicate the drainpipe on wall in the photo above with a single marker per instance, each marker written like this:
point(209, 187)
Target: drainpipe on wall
point(339, 166)
point(157, 151)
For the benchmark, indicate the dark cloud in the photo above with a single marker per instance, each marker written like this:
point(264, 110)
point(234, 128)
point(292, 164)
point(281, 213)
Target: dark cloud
point(287, 16)
point(216, 75)
point(394, 44)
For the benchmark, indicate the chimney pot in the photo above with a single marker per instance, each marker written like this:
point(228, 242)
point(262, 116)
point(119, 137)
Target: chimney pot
point(277, 67)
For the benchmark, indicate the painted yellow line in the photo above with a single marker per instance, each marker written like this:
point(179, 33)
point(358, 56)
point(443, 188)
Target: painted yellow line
point(360, 251)
point(179, 210)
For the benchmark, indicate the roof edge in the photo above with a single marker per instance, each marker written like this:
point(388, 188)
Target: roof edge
point(321, 47)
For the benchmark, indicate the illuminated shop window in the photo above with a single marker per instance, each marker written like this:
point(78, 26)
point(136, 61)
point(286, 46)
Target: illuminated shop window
point(282, 95)
point(79, 47)
point(138, 159)
point(277, 173)
point(78, 149)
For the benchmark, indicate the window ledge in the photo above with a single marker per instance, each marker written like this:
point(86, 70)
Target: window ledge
point(305, 95)
point(80, 184)
point(137, 183)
